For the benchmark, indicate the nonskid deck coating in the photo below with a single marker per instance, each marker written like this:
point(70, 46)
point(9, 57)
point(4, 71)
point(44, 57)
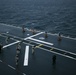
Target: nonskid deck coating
point(41, 62)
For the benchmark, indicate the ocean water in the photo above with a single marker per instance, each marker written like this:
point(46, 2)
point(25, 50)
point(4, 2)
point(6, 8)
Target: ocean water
point(48, 15)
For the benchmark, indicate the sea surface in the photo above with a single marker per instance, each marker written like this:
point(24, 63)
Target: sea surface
point(48, 15)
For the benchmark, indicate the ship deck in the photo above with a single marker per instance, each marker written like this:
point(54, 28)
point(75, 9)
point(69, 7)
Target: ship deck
point(39, 63)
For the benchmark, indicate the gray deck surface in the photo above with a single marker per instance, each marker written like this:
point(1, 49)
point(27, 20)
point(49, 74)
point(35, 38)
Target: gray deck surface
point(39, 63)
